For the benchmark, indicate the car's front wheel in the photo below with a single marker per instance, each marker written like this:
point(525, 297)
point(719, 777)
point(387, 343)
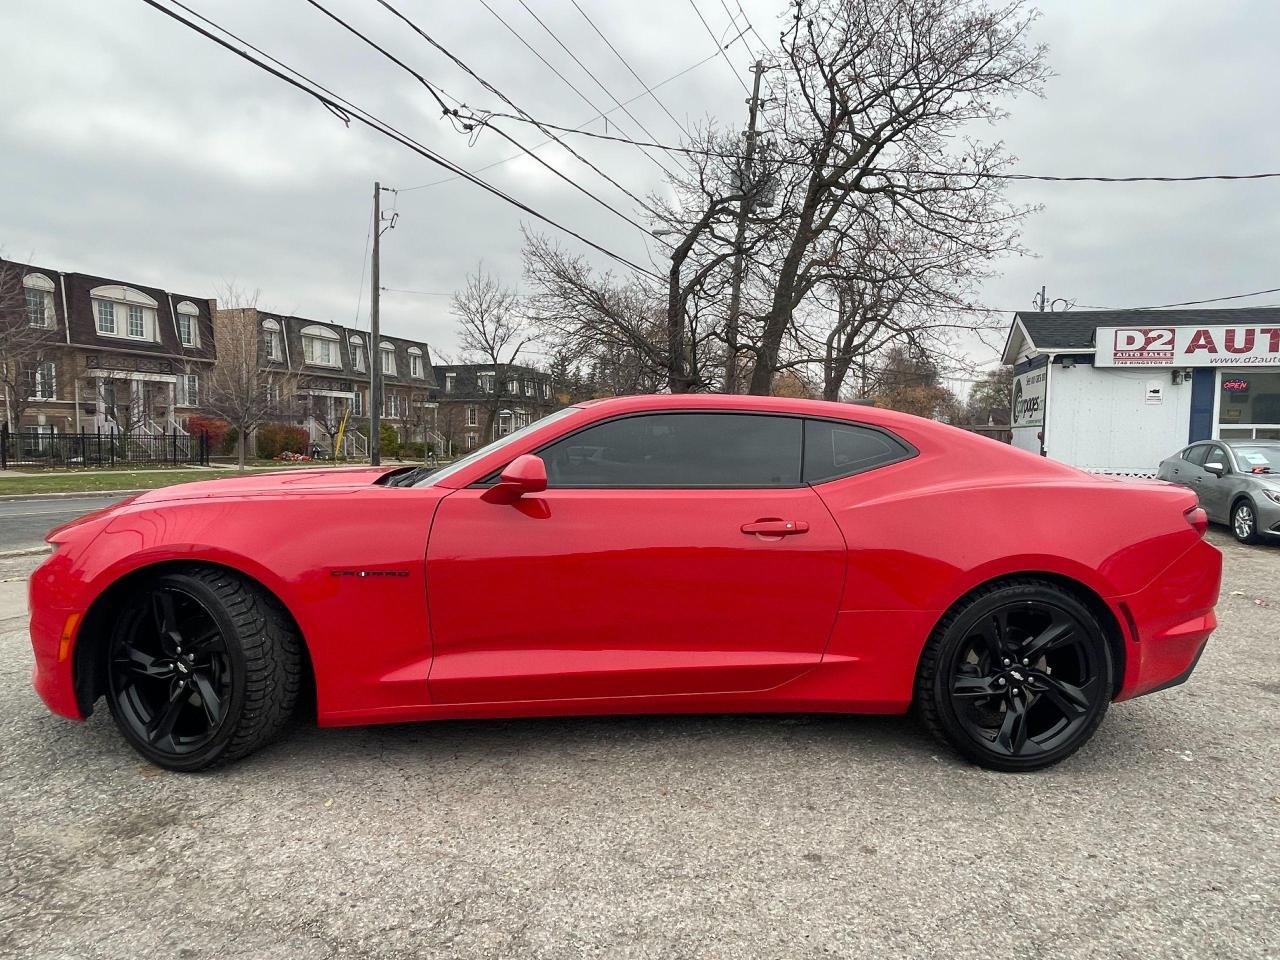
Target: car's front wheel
point(202, 668)
point(1244, 522)
point(1016, 677)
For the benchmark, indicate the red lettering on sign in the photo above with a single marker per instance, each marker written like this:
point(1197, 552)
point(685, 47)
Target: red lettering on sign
point(1202, 340)
point(1233, 347)
point(1274, 334)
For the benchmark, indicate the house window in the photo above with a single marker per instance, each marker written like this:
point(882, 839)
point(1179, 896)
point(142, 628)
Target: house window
point(43, 384)
point(137, 325)
point(528, 388)
point(472, 440)
point(272, 395)
point(513, 386)
point(486, 382)
point(546, 390)
point(388, 353)
point(320, 346)
point(473, 417)
point(275, 343)
point(357, 404)
point(357, 354)
point(106, 313)
point(395, 407)
point(415, 362)
point(187, 316)
point(39, 298)
point(449, 380)
point(188, 390)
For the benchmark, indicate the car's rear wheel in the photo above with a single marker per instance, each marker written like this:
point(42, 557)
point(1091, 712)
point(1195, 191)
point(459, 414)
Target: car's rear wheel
point(1016, 677)
point(202, 668)
point(1244, 522)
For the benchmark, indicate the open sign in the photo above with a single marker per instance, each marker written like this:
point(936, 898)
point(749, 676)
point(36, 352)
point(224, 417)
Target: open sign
point(1236, 386)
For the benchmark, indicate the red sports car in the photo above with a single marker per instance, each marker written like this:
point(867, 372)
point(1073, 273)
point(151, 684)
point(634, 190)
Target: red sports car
point(656, 554)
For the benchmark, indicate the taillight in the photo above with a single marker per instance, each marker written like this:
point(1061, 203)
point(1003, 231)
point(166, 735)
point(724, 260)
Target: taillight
point(1198, 519)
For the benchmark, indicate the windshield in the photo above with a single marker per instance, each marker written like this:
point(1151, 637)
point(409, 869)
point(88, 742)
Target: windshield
point(484, 451)
point(1258, 459)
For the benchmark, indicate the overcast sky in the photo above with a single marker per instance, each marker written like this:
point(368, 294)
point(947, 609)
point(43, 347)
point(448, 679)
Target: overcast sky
point(132, 148)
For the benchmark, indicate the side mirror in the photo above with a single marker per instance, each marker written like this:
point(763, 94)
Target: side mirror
point(526, 474)
point(1216, 467)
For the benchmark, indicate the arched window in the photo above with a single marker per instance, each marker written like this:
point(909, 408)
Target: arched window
point(388, 352)
point(275, 342)
point(188, 324)
point(358, 354)
point(415, 363)
point(39, 293)
point(125, 313)
point(320, 346)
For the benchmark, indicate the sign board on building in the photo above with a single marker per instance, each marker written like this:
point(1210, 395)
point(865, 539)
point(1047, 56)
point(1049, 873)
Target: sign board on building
point(1188, 346)
point(1028, 398)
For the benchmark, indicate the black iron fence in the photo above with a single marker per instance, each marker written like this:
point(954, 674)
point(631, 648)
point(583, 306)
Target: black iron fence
point(35, 448)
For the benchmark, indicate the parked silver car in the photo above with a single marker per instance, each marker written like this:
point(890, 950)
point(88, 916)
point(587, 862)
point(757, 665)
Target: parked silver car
point(1237, 481)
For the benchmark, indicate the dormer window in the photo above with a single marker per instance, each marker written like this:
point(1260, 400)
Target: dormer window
point(388, 352)
point(188, 324)
point(125, 313)
point(320, 346)
point(415, 363)
point(39, 297)
point(450, 380)
point(358, 356)
point(275, 342)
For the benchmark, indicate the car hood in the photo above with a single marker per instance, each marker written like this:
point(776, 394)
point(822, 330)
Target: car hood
point(300, 480)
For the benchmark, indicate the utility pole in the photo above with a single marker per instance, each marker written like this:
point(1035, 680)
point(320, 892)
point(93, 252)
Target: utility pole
point(739, 254)
point(1038, 300)
point(1041, 302)
point(375, 342)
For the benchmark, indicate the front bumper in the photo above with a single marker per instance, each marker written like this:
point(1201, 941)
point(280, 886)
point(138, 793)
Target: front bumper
point(55, 620)
point(1268, 512)
point(1168, 624)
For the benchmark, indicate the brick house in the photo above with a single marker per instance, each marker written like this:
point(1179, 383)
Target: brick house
point(99, 354)
point(480, 403)
point(331, 364)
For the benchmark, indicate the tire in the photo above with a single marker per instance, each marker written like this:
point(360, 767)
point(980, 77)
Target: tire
point(1016, 676)
point(1244, 521)
point(203, 668)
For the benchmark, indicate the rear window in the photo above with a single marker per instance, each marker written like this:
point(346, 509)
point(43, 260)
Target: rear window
point(834, 450)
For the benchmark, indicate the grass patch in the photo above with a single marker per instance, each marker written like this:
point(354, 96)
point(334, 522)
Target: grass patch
point(89, 481)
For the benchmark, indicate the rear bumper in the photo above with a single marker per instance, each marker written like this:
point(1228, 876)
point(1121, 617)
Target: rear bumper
point(1168, 624)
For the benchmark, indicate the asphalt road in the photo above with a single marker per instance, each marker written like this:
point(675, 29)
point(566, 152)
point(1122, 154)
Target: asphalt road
point(667, 837)
point(23, 523)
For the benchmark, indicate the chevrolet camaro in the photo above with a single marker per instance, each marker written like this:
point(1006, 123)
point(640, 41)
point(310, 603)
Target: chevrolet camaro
point(659, 554)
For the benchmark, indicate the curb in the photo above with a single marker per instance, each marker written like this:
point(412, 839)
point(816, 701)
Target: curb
point(65, 495)
point(25, 552)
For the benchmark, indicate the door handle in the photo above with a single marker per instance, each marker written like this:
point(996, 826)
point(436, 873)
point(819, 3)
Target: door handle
point(776, 528)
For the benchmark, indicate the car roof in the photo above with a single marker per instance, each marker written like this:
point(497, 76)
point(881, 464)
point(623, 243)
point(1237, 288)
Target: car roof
point(1250, 443)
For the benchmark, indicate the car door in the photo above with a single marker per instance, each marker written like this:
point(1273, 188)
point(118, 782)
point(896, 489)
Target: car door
point(1188, 468)
point(672, 553)
point(1214, 487)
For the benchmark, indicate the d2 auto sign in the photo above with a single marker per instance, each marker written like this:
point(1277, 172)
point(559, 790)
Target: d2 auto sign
point(1188, 346)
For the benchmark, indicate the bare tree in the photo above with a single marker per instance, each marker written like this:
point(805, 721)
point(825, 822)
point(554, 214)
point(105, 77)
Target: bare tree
point(241, 388)
point(29, 340)
point(873, 95)
point(491, 330)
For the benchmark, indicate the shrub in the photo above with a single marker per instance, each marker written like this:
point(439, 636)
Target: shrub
point(411, 450)
point(214, 429)
point(389, 441)
point(277, 438)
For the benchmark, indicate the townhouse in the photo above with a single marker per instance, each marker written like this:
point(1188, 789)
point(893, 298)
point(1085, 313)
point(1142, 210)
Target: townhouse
point(480, 402)
point(81, 352)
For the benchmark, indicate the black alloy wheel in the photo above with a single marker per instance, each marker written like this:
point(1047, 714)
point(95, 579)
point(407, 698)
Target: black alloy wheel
point(202, 667)
point(1017, 678)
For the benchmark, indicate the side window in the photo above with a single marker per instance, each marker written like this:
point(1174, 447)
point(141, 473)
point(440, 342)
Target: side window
point(1196, 454)
point(1216, 454)
point(839, 449)
point(681, 450)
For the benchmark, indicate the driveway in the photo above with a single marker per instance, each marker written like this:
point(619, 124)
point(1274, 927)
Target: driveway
point(662, 837)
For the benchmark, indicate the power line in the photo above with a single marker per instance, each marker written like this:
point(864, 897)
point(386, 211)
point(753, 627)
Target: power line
point(711, 33)
point(577, 129)
point(348, 111)
point(565, 79)
point(416, 293)
point(502, 96)
point(364, 267)
point(454, 113)
point(1189, 303)
point(647, 88)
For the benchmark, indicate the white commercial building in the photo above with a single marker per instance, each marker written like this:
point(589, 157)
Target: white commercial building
point(1117, 391)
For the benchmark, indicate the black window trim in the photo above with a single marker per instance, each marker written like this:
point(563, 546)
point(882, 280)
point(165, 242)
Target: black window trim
point(908, 451)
